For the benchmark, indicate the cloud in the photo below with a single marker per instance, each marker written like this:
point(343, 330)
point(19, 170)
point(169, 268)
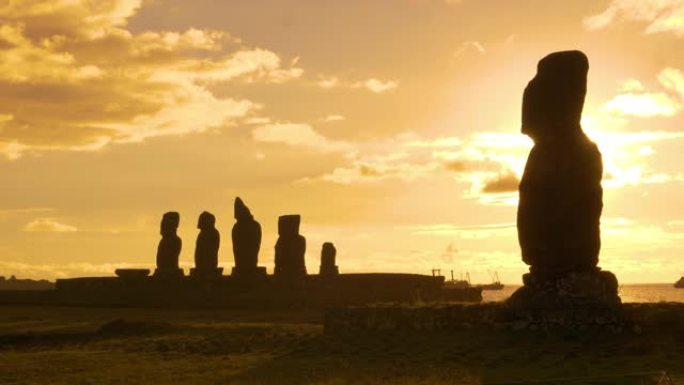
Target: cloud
point(504, 183)
point(48, 225)
point(376, 86)
point(492, 163)
point(643, 104)
point(634, 100)
point(373, 85)
point(659, 15)
point(120, 86)
point(297, 134)
point(328, 82)
point(69, 18)
point(470, 46)
point(672, 79)
point(332, 118)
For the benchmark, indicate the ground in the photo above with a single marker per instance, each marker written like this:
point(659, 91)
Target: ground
point(61, 345)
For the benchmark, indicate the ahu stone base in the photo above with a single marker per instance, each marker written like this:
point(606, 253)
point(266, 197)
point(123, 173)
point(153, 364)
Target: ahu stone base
point(576, 299)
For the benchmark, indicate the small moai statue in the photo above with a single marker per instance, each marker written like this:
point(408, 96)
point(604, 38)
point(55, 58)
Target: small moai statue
point(328, 267)
point(246, 242)
point(206, 248)
point(169, 247)
point(290, 249)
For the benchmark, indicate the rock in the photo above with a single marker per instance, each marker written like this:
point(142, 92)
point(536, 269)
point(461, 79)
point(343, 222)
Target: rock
point(169, 247)
point(290, 249)
point(207, 247)
point(246, 243)
point(328, 267)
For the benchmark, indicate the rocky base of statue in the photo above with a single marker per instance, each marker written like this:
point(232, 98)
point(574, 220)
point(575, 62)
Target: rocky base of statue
point(574, 299)
point(206, 273)
point(168, 273)
point(249, 273)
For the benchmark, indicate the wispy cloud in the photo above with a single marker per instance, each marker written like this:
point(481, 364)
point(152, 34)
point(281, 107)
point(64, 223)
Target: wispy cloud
point(634, 100)
point(659, 15)
point(376, 86)
point(298, 134)
point(470, 46)
point(372, 84)
point(332, 118)
point(48, 225)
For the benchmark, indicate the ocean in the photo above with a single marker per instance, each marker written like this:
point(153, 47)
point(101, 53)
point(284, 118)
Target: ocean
point(658, 292)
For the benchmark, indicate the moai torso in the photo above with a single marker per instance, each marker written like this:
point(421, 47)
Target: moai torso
point(208, 242)
point(246, 236)
point(290, 248)
point(169, 248)
point(328, 254)
point(560, 191)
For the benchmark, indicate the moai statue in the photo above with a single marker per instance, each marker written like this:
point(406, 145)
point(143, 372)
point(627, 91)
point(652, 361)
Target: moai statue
point(560, 191)
point(207, 246)
point(169, 247)
point(290, 249)
point(328, 267)
point(246, 242)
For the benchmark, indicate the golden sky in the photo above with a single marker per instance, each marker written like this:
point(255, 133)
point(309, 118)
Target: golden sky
point(391, 126)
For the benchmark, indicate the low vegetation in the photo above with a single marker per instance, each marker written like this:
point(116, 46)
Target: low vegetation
point(52, 345)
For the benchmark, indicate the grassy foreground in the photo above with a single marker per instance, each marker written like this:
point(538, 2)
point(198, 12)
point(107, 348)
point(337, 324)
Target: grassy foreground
point(58, 345)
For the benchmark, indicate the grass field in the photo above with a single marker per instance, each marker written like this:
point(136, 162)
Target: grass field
point(58, 345)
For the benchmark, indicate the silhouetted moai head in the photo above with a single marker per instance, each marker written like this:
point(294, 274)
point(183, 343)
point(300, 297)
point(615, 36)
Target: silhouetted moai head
point(288, 225)
point(246, 242)
point(554, 98)
point(206, 221)
point(169, 223)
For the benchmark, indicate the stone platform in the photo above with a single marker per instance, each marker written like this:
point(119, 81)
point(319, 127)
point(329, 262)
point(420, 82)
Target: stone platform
point(260, 291)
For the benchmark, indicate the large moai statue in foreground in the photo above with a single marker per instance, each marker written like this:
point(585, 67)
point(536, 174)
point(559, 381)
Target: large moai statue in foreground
point(560, 191)
point(290, 249)
point(246, 243)
point(169, 247)
point(328, 267)
point(207, 247)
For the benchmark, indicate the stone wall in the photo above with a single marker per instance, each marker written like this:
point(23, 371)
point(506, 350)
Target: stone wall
point(623, 318)
point(227, 291)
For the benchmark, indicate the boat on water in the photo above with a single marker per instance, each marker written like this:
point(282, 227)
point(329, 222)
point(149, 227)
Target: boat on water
point(458, 283)
point(495, 285)
point(680, 284)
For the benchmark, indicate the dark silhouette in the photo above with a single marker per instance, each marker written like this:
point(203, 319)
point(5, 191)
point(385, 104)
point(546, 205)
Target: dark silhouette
point(328, 267)
point(207, 246)
point(14, 284)
point(132, 273)
point(560, 192)
point(246, 242)
point(169, 247)
point(290, 248)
